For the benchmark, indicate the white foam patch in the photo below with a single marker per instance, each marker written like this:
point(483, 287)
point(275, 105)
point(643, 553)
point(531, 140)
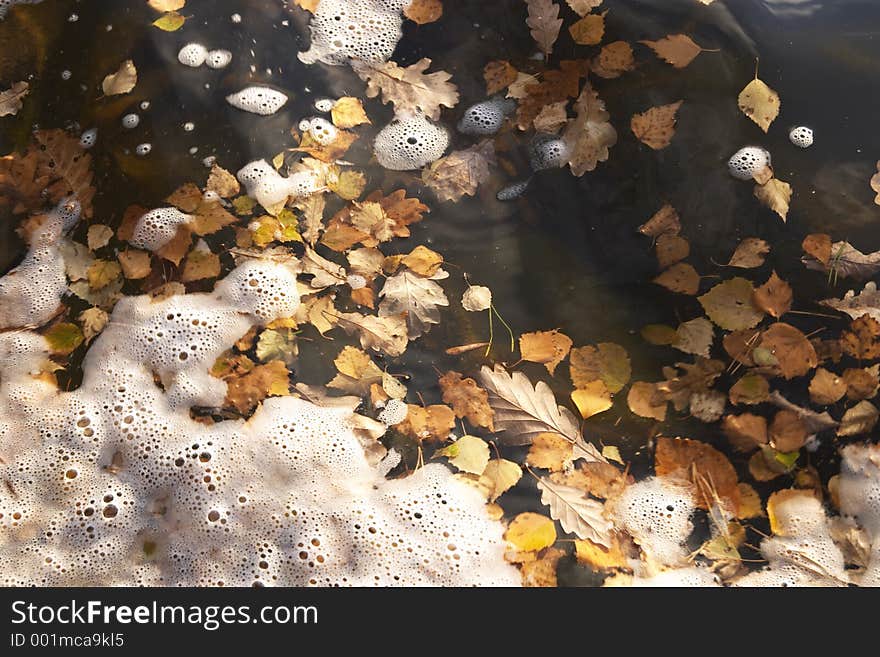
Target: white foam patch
point(192, 54)
point(748, 161)
point(115, 484)
point(801, 136)
point(656, 512)
point(485, 118)
point(258, 100)
point(218, 59)
point(322, 131)
point(409, 143)
point(547, 152)
point(365, 30)
point(157, 227)
point(270, 188)
point(31, 292)
point(694, 577)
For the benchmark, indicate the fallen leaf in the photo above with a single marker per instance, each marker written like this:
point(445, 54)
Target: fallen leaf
point(592, 399)
point(476, 298)
point(695, 337)
point(98, 236)
point(776, 195)
point(221, 182)
point(745, 432)
point(583, 7)
point(423, 261)
point(348, 112)
point(63, 338)
point(787, 432)
point(468, 454)
point(549, 451)
point(308, 5)
point(645, 400)
point(861, 383)
point(93, 321)
point(701, 464)
point(542, 571)
point(760, 103)
point(544, 23)
point(818, 245)
point(813, 421)
point(686, 379)
point(664, 221)
point(546, 347)
point(791, 349)
point(607, 362)
point(277, 344)
point(410, 89)
point(656, 126)
point(431, 423)
point(875, 184)
point(554, 86)
point(103, 272)
point(167, 5)
point(122, 81)
point(729, 305)
point(599, 558)
point(10, 100)
point(749, 253)
point(676, 49)
point(862, 339)
point(576, 511)
point(861, 418)
point(200, 264)
point(774, 297)
point(671, 249)
point(461, 172)
point(614, 60)
point(659, 334)
point(750, 389)
point(65, 169)
point(589, 30)
point(170, 21)
point(826, 387)
point(552, 117)
point(680, 277)
point(531, 532)
point(498, 75)
point(589, 135)
point(245, 392)
point(418, 297)
point(384, 334)
point(502, 475)
point(468, 400)
point(356, 372)
point(846, 261)
point(423, 11)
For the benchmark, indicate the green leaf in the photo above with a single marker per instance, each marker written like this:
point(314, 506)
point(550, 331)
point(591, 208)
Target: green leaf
point(170, 21)
point(277, 344)
point(63, 338)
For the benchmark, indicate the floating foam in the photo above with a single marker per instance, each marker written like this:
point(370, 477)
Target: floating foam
point(157, 227)
point(270, 188)
point(485, 118)
point(748, 161)
point(322, 131)
point(547, 152)
point(130, 121)
point(143, 149)
point(513, 191)
point(801, 136)
point(88, 138)
point(192, 54)
point(410, 143)
point(6, 5)
point(258, 100)
point(365, 30)
point(218, 59)
point(395, 412)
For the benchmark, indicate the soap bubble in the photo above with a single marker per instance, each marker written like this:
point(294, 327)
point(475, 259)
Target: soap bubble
point(143, 149)
point(130, 121)
point(801, 136)
point(192, 54)
point(218, 59)
point(88, 138)
point(748, 161)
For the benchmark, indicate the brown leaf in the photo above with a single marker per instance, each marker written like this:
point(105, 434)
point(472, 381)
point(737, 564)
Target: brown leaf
point(614, 60)
point(861, 383)
point(410, 88)
point(826, 387)
point(656, 126)
point(607, 361)
point(542, 571)
point(862, 340)
point(554, 86)
point(861, 418)
point(774, 297)
point(424, 11)
point(676, 49)
point(787, 431)
point(746, 431)
point(546, 347)
point(433, 423)
point(552, 117)
point(760, 103)
point(671, 249)
point(665, 220)
point(729, 305)
point(178, 247)
point(544, 23)
point(702, 465)
point(583, 7)
point(200, 264)
point(750, 389)
point(681, 278)
point(498, 75)
point(66, 167)
point(122, 81)
point(384, 334)
point(818, 245)
point(875, 184)
point(468, 400)
point(589, 135)
point(645, 400)
point(245, 392)
point(794, 353)
point(589, 30)
point(135, 264)
point(749, 253)
point(221, 182)
point(776, 195)
point(10, 100)
point(461, 172)
point(687, 379)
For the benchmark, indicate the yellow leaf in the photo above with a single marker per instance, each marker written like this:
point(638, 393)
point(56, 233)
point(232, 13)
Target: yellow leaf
point(468, 454)
point(760, 103)
point(546, 347)
point(776, 195)
point(531, 532)
point(423, 11)
point(432, 423)
point(592, 399)
point(245, 392)
point(550, 451)
point(500, 475)
point(349, 185)
point(729, 305)
point(599, 558)
point(656, 126)
point(122, 81)
point(612, 453)
point(63, 338)
point(167, 5)
point(348, 112)
point(170, 21)
point(103, 272)
point(356, 372)
point(200, 264)
point(423, 261)
point(643, 400)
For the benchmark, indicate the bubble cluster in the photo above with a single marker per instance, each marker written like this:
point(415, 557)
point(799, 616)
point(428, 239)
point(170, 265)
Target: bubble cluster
point(218, 59)
point(410, 143)
point(157, 227)
point(88, 138)
point(324, 104)
point(131, 121)
point(513, 191)
point(270, 188)
point(143, 149)
point(547, 152)
point(395, 412)
point(258, 100)
point(192, 54)
point(487, 117)
point(366, 30)
point(801, 136)
point(748, 161)
point(322, 131)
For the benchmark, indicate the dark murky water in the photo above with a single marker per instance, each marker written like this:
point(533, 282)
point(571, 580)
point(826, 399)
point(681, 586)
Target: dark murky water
point(567, 255)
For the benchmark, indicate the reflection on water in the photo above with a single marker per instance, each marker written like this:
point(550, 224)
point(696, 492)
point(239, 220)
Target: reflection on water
point(567, 253)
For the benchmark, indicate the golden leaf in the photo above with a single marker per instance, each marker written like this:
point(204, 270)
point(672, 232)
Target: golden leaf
point(760, 103)
point(432, 423)
point(680, 277)
point(550, 451)
point(122, 81)
point(546, 347)
point(135, 264)
point(676, 49)
point(598, 557)
point(166, 5)
point(423, 11)
point(745, 432)
point(468, 400)
point(656, 126)
point(592, 399)
point(348, 112)
point(356, 372)
point(423, 261)
point(729, 305)
point(589, 30)
point(500, 475)
point(245, 392)
point(583, 7)
point(531, 532)
point(170, 21)
point(103, 272)
point(776, 195)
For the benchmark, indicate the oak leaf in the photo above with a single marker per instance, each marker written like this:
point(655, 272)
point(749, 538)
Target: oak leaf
point(589, 135)
point(410, 89)
point(10, 100)
point(418, 297)
point(544, 23)
point(122, 81)
point(461, 172)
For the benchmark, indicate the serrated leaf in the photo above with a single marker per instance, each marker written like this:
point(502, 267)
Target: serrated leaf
point(578, 513)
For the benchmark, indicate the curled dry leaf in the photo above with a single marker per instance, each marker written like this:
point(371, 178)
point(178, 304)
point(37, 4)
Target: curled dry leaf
point(468, 400)
point(544, 23)
point(749, 253)
point(676, 49)
point(776, 195)
point(10, 100)
point(122, 81)
point(384, 334)
point(546, 347)
point(461, 172)
point(760, 103)
point(410, 89)
point(656, 126)
point(476, 298)
point(589, 135)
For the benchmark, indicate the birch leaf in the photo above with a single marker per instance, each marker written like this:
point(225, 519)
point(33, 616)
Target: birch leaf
point(461, 172)
point(578, 513)
point(679, 50)
point(469, 454)
point(122, 81)
point(776, 195)
point(656, 126)
point(589, 30)
point(760, 103)
point(583, 7)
